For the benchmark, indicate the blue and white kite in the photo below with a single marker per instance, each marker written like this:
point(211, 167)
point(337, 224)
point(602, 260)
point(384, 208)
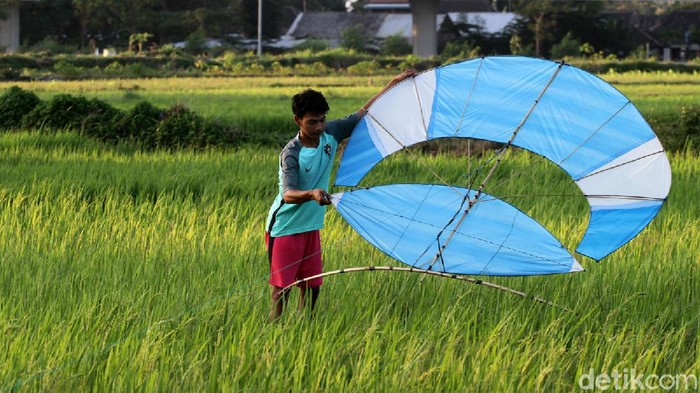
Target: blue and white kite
point(574, 119)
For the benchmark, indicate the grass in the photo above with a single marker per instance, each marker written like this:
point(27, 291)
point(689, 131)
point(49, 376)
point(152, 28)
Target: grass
point(124, 271)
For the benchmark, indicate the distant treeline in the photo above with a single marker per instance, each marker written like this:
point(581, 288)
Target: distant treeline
point(307, 63)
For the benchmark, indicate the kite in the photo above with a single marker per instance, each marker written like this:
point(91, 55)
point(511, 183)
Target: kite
point(572, 118)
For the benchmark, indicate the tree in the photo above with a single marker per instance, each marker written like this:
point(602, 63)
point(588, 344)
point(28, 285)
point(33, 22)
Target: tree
point(85, 11)
point(568, 46)
point(540, 14)
point(139, 39)
point(48, 18)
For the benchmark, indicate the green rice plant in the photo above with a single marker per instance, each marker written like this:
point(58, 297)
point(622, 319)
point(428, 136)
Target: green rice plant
point(128, 270)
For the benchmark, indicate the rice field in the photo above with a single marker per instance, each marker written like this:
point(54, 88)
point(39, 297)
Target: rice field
point(123, 270)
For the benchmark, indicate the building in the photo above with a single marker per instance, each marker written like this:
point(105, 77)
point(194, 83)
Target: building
point(382, 22)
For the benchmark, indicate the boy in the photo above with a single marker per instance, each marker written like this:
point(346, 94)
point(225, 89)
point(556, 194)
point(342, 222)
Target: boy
point(293, 223)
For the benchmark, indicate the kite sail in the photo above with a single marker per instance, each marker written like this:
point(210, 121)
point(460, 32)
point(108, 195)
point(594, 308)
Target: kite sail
point(572, 118)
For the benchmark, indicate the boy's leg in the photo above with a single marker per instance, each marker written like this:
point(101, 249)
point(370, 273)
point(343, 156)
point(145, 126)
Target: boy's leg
point(279, 299)
point(314, 296)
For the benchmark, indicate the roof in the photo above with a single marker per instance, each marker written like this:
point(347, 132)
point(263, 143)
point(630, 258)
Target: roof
point(444, 7)
point(329, 25)
point(490, 22)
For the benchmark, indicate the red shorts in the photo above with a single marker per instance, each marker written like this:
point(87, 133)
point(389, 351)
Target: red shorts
point(294, 257)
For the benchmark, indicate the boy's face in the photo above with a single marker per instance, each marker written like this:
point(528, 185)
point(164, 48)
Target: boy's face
point(311, 125)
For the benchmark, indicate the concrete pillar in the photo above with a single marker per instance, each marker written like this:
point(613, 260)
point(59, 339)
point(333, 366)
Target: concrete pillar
point(9, 29)
point(424, 27)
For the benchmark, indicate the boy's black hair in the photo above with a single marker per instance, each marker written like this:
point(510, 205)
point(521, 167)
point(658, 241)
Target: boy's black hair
point(309, 101)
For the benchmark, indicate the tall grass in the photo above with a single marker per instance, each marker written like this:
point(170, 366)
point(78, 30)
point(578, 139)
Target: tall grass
point(125, 271)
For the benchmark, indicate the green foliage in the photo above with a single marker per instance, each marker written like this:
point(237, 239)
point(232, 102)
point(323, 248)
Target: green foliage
point(144, 124)
point(690, 123)
point(181, 127)
point(50, 46)
point(313, 45)
point(396, 45)
point(9, 74)
point(354, 37)
point(66, 68)
point(138, 39)
point(196, 42)
point(14, 104)
point(363, 68)
point(307, 62)
point(65, 111)
point(567, 47)
point(459, 50)
point(138, 124)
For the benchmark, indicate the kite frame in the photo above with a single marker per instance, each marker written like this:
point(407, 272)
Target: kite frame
point(459, 277)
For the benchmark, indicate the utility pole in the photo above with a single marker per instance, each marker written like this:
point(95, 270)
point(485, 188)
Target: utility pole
point(260, 28)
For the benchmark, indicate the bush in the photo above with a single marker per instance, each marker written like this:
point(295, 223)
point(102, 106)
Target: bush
point(138, 124)
point(90, 117)
point(690, 123)
point(313, 45)
point(567, 47)
point(363, 68)
point(14, 105)
point(180, 127)
point(354, 37)
point(459, 50)
point(50, 46)
point(396, 45)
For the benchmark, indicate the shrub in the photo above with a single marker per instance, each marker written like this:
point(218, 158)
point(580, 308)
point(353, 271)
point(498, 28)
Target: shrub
point(50, 46)
point(180, 127)
point(14, 104)
point(354, 37)
point(90, 117)
point(138, 124)
point(196, 42)
point(690, 123)
point(363, 68)
point(396, 45)
point(9, 74)
point(567, 47)
point(459, 50)
point(65, 68)
point(313, 45)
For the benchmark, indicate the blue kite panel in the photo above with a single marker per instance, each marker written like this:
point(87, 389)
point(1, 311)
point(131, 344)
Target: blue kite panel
point(359, 157)
point(610, 229)
point(413, 222)
point(489, 100)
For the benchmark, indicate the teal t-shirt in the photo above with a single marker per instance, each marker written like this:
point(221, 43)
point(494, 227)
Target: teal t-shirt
point(306, 168)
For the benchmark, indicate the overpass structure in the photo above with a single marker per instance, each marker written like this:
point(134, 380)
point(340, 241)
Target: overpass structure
point(425, 40)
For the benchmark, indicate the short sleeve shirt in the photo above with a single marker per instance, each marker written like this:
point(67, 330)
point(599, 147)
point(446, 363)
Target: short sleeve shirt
point(306, 168)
